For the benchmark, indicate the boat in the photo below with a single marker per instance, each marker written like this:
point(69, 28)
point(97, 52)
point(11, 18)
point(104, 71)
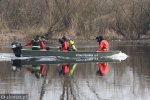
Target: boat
point(28, 52)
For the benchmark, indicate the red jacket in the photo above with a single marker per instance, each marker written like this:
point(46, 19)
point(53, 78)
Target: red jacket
point(103, 46)
point(103, 68)
point(42, 45)
point(65, 46)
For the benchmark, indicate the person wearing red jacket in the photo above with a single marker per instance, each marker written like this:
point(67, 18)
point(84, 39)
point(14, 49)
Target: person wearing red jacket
point(37, 43)
point(64, 44)
point(103, 68)
point(103, 44)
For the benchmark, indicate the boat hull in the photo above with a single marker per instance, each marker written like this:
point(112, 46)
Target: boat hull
point(69, 54)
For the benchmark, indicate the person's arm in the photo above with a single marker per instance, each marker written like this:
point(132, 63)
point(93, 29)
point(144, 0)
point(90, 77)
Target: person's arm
point(28, 43)
point(29, 69)
point(74, 47)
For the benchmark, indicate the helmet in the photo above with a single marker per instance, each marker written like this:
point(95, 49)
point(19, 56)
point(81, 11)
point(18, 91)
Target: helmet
point(64, 38)
point(99, 38)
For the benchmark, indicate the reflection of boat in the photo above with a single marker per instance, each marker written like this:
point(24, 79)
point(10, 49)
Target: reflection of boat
point(27, 52)
point(59, 61)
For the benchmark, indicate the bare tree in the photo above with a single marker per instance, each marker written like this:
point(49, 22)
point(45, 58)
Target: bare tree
point(129, 18)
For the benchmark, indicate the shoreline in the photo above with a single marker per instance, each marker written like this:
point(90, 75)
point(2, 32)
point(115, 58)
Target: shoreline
point(7, 38)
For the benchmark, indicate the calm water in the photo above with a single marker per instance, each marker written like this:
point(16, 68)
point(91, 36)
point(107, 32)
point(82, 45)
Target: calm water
point(127, 80)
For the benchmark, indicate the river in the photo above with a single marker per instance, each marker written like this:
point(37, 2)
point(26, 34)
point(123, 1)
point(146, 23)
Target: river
point(125, 80)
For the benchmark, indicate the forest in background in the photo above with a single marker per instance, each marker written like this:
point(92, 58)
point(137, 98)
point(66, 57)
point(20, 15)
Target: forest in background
point(129, 19)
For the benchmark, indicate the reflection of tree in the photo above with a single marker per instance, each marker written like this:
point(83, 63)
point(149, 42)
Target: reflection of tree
point(67, 85)
point(40, 71)
point(44, 83)
point(129, 18)
point(67, 89)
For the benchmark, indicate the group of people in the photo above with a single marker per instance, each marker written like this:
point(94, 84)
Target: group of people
point(37, 43)
point(67, 44)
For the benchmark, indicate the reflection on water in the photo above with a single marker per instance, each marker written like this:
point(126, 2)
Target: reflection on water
point(127, 80)
point(37, 70)
point(103, 68)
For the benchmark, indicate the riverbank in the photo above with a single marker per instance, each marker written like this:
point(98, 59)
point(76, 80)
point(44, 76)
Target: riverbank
point(9, 37)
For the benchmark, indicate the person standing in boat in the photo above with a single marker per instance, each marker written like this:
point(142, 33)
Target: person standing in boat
point(103, 68)
point(103, 44)
point(36, 43)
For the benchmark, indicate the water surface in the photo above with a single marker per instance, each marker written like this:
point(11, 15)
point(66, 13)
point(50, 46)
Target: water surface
point(125, 80)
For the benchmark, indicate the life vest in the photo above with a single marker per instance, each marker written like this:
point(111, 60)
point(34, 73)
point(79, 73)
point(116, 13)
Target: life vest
point(103, 46)
point(72, 46)
point(35, 43)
